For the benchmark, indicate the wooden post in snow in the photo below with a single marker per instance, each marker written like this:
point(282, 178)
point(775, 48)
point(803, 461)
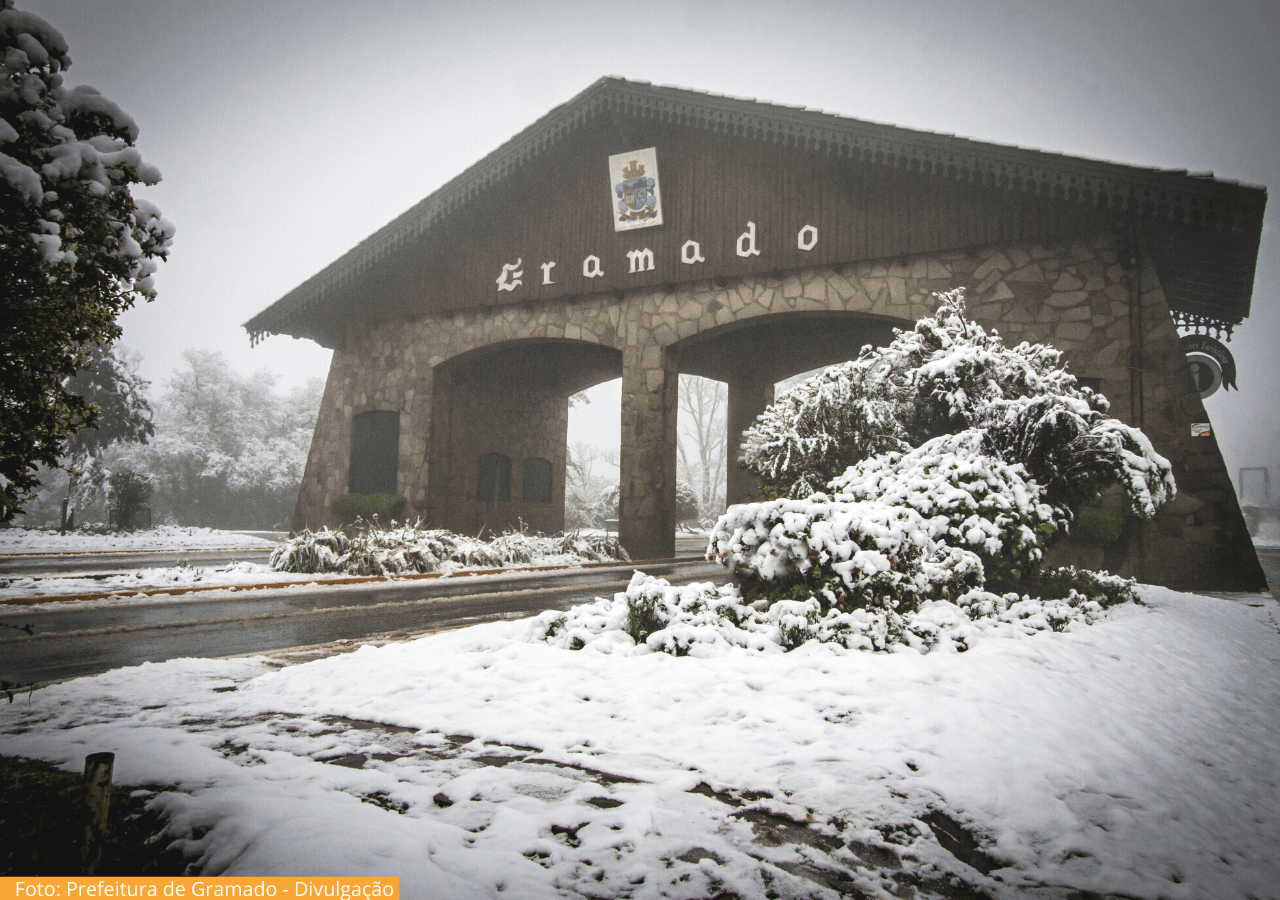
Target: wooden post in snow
point(97, 801)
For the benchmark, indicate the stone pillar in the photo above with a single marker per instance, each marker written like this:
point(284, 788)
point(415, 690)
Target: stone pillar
point(748, 397)
point(325, 476)
point(442, 479)
point(415, 442)
point(647, 467)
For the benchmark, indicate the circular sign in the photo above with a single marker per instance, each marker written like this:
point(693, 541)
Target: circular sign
point(1211, 363)
point(1205, 373)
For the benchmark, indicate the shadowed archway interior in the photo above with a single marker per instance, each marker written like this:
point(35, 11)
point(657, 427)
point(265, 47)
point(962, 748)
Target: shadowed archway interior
point(507, 402)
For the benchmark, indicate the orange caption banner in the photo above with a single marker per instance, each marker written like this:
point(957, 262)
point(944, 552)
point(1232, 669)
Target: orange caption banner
point(90, 888)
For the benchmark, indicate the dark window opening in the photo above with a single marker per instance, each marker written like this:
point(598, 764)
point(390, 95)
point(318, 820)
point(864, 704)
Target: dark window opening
point(375, 452)
point(537, 481)
point(494, 481)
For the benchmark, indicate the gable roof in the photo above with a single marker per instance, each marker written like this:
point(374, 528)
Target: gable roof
point(1220, 287)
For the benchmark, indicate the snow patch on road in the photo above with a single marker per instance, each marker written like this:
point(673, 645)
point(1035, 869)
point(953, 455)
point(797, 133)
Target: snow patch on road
point(165, 537)
point(130, 584)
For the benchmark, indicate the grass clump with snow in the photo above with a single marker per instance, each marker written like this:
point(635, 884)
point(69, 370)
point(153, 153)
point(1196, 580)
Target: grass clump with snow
point(407, 549)
point(915, 490)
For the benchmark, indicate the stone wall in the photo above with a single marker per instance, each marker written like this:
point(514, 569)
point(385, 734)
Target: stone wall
point(485, 408)
point(378, 374)
point(1097, 300)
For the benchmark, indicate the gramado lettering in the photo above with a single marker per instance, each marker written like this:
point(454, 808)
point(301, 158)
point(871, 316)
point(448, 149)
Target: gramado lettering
point(641, 260)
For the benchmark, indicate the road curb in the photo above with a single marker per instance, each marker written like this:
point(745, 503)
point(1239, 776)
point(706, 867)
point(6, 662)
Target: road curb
point(354, 579)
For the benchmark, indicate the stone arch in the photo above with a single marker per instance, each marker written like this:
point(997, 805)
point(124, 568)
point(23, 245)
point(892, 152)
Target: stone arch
point(590, 320)
point(508, 398)
point(753, 353)
point(779, 345)
point(659, 326)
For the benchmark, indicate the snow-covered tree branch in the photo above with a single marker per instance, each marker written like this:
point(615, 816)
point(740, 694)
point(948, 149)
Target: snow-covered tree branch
point(76, 247)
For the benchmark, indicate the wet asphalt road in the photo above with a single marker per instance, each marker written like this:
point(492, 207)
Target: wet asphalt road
point(88, 640)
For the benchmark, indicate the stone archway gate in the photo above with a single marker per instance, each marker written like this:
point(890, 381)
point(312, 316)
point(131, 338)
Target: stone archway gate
point(640, 232)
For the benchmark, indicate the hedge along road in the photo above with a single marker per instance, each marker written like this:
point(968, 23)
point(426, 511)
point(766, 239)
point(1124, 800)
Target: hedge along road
point(86, 640)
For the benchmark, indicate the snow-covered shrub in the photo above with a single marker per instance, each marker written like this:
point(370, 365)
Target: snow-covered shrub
point(816, 430)
point(414, 549)
point(592, 548)
point(1063, 596)
point(1067, 582)
point(967, 498)
point(944, 376)
point(847, 554)
point(930, 468)
point(705, 619)
point(1073, 450)
point(686, 503)
point(999, 442)
point(310, 552)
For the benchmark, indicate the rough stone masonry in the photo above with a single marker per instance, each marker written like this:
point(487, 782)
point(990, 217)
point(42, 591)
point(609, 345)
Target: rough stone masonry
point(1099, 303)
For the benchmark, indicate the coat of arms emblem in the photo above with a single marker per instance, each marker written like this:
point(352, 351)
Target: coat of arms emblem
point(636, 201)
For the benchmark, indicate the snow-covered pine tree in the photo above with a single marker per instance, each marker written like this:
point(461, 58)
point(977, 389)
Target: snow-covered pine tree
point(944, 376)
point(76, 247)
point(961, 458)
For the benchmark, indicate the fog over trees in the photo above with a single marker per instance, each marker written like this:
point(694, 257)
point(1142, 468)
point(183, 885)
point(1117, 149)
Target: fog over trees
point(591, 476)
point(223, 449)
point(701, 435)
point(228, 451)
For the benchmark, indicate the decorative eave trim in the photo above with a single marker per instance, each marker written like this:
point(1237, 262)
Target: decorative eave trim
point(1175, 197)
point(1210, 325)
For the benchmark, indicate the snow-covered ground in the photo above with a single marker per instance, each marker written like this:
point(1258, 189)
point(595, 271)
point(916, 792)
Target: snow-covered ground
point(128, 586)
point(1136, 756)
point(164, 537)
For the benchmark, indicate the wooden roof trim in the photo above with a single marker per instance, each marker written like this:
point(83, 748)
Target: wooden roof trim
point(1173, 196)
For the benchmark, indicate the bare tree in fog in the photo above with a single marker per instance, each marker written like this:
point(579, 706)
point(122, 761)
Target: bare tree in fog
point(701, 440)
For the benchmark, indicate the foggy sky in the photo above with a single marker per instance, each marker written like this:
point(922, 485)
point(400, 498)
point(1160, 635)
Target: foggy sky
point(289, 130)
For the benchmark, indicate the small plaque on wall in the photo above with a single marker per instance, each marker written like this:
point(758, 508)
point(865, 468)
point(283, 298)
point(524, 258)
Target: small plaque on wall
point(1201, 429)
point(635, 196)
